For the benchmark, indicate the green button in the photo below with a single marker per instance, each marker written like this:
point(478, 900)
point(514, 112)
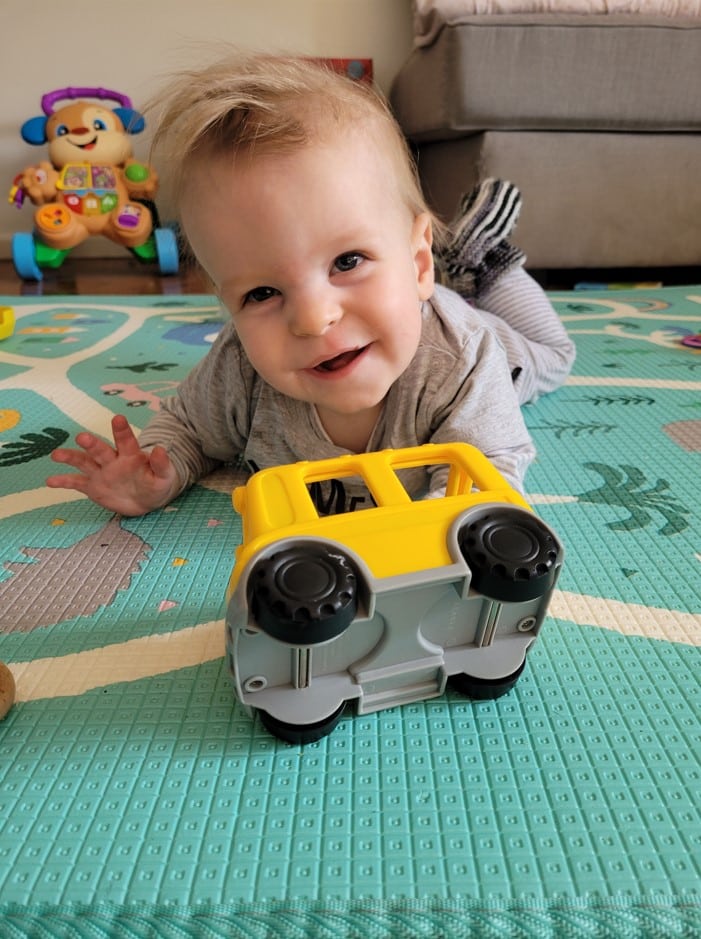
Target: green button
point(136, 172)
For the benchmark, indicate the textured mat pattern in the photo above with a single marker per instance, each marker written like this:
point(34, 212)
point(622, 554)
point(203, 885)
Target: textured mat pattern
point(137, 798)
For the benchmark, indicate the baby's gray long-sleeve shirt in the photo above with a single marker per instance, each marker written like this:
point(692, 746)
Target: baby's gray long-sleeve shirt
point(458, 387)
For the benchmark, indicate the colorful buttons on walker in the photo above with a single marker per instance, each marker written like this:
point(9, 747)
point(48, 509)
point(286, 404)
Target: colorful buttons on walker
point(137, 172)
point(129, 216)
point(53, 218)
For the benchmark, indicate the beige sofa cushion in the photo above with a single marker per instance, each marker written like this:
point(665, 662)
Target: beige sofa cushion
point(589, 199)
point(431, 15)
point(553, 72)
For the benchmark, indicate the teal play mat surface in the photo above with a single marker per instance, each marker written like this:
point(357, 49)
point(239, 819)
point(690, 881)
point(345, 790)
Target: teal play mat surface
point(138, 798)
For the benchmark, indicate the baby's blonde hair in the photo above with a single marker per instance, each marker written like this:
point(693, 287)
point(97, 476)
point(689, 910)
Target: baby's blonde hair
point(257, 102)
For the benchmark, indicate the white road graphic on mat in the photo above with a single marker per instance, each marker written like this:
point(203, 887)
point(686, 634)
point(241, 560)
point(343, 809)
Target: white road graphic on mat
point(670, 383)
point(67, 675)
point(46, 373)
point(664, 337)
point(32, 499)
point(617, 309)
point(75, 674)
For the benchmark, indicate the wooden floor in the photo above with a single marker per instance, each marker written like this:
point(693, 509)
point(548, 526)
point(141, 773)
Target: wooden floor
point(101, 276)
point(127, 276)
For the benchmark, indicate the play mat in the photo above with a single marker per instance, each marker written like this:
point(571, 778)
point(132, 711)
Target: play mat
point(138, 798)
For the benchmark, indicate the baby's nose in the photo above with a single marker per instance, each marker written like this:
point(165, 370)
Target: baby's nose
point(314, 315)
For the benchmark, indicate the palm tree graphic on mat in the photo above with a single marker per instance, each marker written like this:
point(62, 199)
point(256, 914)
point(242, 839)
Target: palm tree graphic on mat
point(32, 446)
point(625, 486)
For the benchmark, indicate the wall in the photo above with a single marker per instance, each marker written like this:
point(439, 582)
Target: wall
point(134, 45)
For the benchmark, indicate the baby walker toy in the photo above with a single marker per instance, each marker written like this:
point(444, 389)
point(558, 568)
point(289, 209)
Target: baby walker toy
point(91, 185)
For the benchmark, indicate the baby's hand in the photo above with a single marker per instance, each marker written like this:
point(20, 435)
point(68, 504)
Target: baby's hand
point(124, 479)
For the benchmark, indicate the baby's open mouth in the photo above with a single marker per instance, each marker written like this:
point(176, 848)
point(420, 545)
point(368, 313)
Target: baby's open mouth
point(339, 361)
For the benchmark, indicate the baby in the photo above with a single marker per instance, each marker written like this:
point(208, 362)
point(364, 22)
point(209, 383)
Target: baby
point(298, 197)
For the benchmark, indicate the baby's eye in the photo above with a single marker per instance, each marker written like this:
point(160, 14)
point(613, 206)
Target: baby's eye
point(260, 294)
point(348, 262)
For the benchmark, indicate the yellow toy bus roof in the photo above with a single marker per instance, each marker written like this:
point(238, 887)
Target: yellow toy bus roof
point(397, 535)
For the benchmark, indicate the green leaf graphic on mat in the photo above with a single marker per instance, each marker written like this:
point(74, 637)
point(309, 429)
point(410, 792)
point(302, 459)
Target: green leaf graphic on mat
point(624, 487)
point(576, 428)
point(581, 308)
point(676, 365)
point(58, 584)
point(142, 367)
point(596, 400)
point(32, 446)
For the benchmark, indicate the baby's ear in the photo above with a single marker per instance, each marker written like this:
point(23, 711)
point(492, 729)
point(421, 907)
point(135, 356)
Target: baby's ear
point(421, 244)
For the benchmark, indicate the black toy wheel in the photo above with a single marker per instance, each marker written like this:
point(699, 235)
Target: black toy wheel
point(485, 689)
point(512, 554)
point(300, 733)
point(304, 594)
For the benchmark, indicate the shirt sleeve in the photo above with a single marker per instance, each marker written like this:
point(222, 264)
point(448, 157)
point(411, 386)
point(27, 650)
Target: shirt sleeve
point(206, 422)
point(472, 399)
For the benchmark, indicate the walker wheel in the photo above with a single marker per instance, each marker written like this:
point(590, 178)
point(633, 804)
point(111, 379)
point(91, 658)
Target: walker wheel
point(167, 250)
point(24, 256)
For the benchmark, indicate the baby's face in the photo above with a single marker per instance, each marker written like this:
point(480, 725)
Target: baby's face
point(322, 267)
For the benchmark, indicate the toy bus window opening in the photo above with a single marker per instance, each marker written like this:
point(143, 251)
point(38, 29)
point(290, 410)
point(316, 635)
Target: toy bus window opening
point(400, 483)
point(340, 494)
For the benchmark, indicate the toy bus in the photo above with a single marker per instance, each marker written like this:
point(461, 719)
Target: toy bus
point(386, 605)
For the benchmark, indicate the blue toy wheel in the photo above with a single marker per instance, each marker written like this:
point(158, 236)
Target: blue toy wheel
point(24, 256)
point(167, 250)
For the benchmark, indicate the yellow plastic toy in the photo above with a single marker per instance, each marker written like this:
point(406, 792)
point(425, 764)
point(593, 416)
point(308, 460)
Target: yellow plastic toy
point(7, 321)
point(7, 690)
point(90, 185)
point(382, 606)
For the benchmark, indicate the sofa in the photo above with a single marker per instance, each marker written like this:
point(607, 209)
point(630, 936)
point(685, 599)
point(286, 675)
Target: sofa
point(594, 114)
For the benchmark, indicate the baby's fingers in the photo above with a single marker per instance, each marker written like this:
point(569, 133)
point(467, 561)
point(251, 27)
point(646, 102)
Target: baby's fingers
point(75, 458)
point(79, 483)
point(97, 451)
point(124, 437)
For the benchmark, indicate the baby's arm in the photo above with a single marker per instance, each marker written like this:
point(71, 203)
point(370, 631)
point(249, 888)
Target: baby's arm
point(482, 409)
point(122, 478)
